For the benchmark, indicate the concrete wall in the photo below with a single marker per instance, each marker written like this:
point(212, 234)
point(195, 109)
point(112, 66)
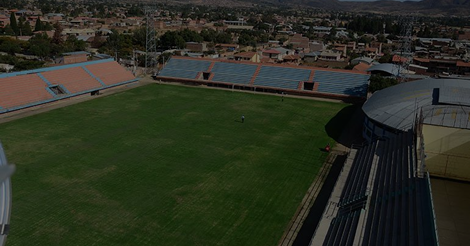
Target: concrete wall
point(447, 152)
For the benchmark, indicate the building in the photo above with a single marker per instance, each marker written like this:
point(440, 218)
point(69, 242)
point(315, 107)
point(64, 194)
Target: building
point(449, 66)
point(73, 57)
point(443, 106)
point(330, 56)
point(248, 56)
point(300, 43)
point(196, 47)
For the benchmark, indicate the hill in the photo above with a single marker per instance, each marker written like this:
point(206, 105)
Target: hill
point(424, 7)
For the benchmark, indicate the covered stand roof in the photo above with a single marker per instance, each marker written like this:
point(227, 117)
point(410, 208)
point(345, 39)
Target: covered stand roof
point(5, 196)
point(390, 68)
point(444, 102)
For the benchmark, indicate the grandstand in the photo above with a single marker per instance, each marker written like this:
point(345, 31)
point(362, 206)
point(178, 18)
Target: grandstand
point(233, 73)
point(281, 77)
point(382, 197)
point(444, 105)
point(182, 68)
point(35, 87)
point(299, 80)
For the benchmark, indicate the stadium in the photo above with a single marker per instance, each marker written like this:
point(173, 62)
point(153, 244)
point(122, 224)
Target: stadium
point(156, 163)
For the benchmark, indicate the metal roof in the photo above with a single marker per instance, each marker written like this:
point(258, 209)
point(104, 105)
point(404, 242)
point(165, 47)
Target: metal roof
point(444, 102)
point(5, 196)
point(386, 67)
point(455, 96)
point(364, 59)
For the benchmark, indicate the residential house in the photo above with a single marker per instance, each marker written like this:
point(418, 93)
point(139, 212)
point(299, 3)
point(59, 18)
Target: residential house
point(316, 46)
point(196, 47)
point(330, 56)
point(272, 54)
point(300, 43)
point(312, 56)
point(247, 56)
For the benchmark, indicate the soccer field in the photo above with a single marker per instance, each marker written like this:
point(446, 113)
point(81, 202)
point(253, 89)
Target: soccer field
point(164, 165)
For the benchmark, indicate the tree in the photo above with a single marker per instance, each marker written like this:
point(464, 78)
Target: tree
point(190, 36)
point(73, 44)
point(381, 38)
point(10, 46)
point(9, 30)
point(14, 24)
point(172, 39)
point(224, 38)
point(385, 58)
point(57, 38)
point(48, 27)
point(21, 65)
point(139, 37)
point(38, 26)
point(117, 44)
point(26, 29)
point(40, 45)
point(97, 42)
point(378, 82)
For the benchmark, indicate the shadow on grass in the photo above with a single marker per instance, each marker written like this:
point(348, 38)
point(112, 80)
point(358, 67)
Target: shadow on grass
point(346, 126)
point(316, 211)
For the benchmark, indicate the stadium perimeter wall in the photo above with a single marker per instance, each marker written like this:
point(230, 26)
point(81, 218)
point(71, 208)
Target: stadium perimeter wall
point(447, 152)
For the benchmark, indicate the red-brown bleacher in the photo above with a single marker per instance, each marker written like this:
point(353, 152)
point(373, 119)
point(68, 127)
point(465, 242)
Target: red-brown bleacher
point(29, 89)
point(73, 79)
point(34, 87)
point(110, 73)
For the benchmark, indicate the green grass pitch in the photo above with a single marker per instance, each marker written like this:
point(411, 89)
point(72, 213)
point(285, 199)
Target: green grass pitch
point(164, 165)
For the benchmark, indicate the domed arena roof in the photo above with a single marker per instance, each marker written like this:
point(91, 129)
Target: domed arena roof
point(444, 102)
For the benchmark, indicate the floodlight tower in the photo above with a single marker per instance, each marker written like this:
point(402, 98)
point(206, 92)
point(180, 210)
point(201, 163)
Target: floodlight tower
point(405, 47)
point(150, 39)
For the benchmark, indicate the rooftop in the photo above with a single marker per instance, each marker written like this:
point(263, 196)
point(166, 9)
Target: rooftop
point(444, 102)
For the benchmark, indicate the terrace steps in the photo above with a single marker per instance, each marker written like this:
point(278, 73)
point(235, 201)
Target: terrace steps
point(252, 81)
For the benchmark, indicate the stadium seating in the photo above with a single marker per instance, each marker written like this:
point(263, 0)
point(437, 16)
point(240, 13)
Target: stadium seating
point(33, 87)
point(342, 83)
point(184, 68)
point(236, 73)
point(356, 185)
point(29, 89)
point(74, 79)
point(281, 77)
point(272, 76)
point(396, 211)
point(110, 73)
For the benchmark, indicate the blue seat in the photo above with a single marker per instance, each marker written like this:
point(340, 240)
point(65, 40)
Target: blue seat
point(342, 83)
point(182, 68)
point(233, 72)
point(281, 77)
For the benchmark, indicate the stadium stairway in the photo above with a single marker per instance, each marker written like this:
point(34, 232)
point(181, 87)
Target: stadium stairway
point(252, 81)
point(209, 69)
point(311, 76)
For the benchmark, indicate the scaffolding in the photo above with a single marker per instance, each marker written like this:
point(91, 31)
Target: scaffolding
point(150, 40)
point(406, 24)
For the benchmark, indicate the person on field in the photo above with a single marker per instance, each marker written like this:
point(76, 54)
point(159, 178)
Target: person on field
point(243, 118)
